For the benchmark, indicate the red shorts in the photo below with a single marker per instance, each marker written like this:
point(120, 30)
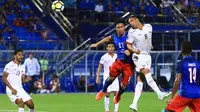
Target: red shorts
point(179, 103)
point(119, 67)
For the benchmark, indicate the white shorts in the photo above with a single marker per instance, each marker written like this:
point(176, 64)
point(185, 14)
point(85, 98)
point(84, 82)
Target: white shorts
point(142, 61)
point(21, 93)
point(114, 86)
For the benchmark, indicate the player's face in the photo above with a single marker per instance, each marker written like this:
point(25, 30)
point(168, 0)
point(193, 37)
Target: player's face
point(110, 48)
point(133, 22)
point(31, 55)
point(120, 28)
point(19, 56)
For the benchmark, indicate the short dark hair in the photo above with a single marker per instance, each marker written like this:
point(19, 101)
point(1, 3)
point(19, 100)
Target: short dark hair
point(55, 76)
point(17, 51)
point(120, 21)
point(110, 43)
point(186, 47)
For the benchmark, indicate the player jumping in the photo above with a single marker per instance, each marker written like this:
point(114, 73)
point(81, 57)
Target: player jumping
point(141, 38)
point(106, 61)
point(187, 79)
point(13, 76)
point(122, 65)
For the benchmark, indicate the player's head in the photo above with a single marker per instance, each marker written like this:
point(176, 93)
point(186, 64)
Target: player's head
point(18, 55)
point(134, 21)
point(110, 47)
point(120, 27)
point(30, 55)
point(186, 48)
point(55, 77)
point(41, 78)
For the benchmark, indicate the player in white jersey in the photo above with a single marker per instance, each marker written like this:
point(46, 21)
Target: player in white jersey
point(106, 61)
point(13, 76)
point(140, 38)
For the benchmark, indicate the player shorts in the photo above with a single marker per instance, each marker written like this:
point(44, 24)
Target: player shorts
point(179, 103)
point(141, 61)
point(120, 67)
point(114, 86)
point(21, 93)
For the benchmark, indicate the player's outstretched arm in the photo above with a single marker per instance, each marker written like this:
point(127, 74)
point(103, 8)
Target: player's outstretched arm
point(4, 78)
point(132, 50)
point(175, 87)
point(98, 73)
point(107, 39)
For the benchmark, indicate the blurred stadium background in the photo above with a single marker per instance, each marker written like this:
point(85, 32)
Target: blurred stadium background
point(63, 40)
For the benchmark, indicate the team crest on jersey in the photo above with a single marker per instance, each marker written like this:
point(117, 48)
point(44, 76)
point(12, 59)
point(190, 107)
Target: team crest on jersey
point(145, 36)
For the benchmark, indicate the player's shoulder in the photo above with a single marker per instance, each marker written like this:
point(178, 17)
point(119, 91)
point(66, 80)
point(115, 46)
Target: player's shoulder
point(148, 25)
point(11, 63)
point(131, 30)
point(105, 56)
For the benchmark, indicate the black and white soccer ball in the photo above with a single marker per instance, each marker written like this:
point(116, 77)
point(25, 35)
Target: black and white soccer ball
point(57, 6)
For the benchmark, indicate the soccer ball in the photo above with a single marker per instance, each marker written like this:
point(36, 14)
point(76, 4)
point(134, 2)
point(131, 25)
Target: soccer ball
point(57, 6)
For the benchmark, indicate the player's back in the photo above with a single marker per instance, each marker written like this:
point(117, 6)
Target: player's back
point(120, 46)
point(190, 83)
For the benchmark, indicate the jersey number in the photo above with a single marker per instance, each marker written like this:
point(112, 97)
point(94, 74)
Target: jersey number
point(193, 72)
point(121, 45)
point(18, 72)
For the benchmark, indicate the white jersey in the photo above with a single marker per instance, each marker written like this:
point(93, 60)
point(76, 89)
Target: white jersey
point(141, 39)
point(14, 74)
point(107, 61)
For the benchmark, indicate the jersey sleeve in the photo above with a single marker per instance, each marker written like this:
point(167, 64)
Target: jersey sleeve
point(102, 60)
point(179, 67)
point(130, 37)
point(23, 70)
point(6, 69)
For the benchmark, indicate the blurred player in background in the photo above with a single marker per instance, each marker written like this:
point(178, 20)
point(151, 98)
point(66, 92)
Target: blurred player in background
point(55, 84)
point(13, 76)
point(140, 37)
point(40, 86)
point(106, 61)
point(188, 80)
point(122, 65)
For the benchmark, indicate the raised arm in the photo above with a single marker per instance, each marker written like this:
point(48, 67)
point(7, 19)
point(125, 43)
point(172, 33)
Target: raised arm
point(107, 39)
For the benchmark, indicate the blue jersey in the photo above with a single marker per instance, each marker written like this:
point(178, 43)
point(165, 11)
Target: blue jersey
point(190, 70)
point(120, 47)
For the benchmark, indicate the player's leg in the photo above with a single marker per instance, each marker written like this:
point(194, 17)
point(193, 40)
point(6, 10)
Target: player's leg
point(126, 76)
point(107, 101)
point(138, 91)
point(116, 106)
point(178, 104)
point(30, 105)
point(115, 71)
point(195, 105)
point(20, 104)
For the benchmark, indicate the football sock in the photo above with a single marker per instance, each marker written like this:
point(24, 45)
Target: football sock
point(116, 106)
point(152, 83)
point(31, 110)
point(138, 91)
point(106, 103)
point(21, 110)
point(107, 83)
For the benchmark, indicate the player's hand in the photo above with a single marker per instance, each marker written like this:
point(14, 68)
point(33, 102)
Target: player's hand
point(137, 51)
point(97, 80)
point(94, 45)
point(169, 101)
point(29, 78)
point(14, 92)
point(127, 52)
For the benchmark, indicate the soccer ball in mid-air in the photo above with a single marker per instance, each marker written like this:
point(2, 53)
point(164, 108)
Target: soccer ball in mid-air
point(57, 6)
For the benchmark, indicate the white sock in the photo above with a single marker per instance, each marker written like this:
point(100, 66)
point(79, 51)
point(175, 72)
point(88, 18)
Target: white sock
point(21, 110)
point(152, 83)
point(116, 106)
point(106, 103)
point(30, 110)
point(138, 91)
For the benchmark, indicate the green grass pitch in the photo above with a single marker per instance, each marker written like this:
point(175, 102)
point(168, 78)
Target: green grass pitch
point(81, 102)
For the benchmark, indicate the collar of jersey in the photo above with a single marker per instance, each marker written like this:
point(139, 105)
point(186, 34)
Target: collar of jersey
point(187, 57)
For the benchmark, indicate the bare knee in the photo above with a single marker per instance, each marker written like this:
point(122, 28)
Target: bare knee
point(20, 103)
point(145, 71)
point(107, 95)
point(30, 104)
point(123, 86)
